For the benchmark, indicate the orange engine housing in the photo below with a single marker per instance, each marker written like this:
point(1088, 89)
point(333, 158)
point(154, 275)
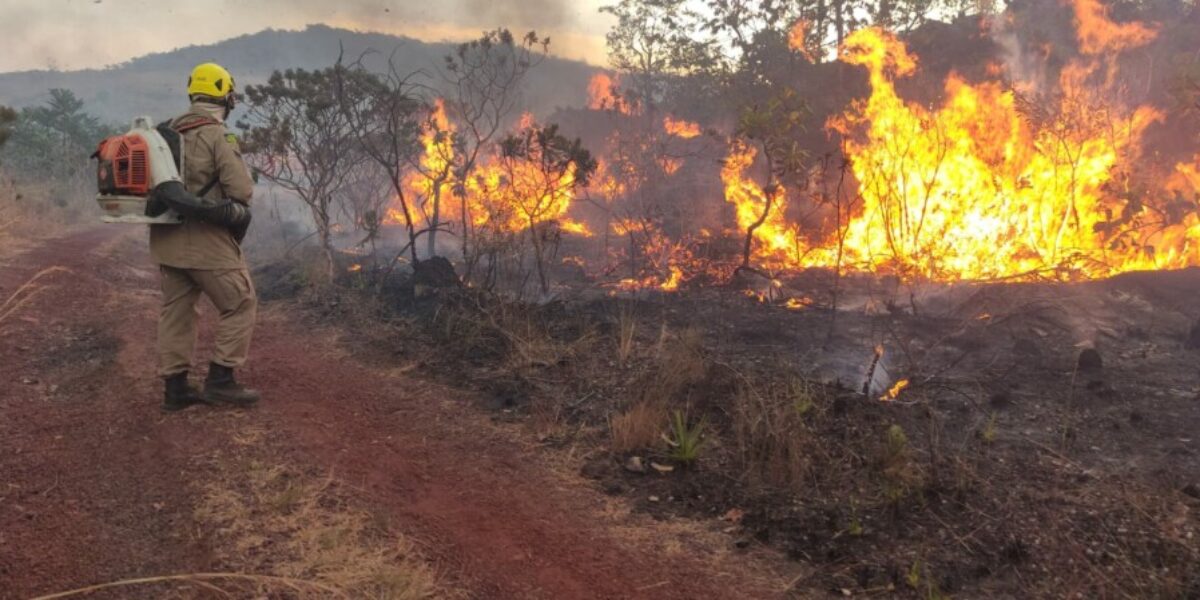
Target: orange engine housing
point(124, 167)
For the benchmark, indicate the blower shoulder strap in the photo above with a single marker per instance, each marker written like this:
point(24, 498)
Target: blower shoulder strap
point(196, 124)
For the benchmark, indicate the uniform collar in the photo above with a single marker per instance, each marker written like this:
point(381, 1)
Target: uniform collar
point(208, 109)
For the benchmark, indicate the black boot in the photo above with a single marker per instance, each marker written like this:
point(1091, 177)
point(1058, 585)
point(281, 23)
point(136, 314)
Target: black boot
point(179, 394)
point(220, 386)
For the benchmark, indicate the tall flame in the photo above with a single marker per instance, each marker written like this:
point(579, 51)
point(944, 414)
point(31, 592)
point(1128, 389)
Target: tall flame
point(978, 188)
point(603, 94)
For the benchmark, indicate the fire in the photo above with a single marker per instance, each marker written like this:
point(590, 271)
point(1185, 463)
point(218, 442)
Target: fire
point(1098, 34)
point(500, 197)
point(680, 128)
point(603, 94)
point(798, 38)
point(894, 391)
point(667, 264)
point(798, 303)
point(977, 189)
point(776, 238)
point(355, 268)
point(438, 141)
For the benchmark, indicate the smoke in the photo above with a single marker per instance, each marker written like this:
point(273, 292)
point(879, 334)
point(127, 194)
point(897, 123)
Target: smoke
point(538, 14)
point(63, 33)
point(1027, 69)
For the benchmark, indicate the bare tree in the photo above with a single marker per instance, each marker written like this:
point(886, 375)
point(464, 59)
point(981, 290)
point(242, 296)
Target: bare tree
point(383, 113)
point(296, 137)
point(484, 78)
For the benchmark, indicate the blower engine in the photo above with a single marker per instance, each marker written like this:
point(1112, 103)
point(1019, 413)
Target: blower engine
point(132, 166)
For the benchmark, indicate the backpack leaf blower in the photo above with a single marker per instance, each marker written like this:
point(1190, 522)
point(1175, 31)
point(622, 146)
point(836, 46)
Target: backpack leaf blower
point(138, 180)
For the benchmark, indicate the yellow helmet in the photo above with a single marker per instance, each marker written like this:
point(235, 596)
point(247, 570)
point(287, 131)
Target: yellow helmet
point(210, 79)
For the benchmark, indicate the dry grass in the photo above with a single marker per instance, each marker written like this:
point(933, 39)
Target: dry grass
point(26, 292)
point(678, 362)
point(35, 211)
point(770, 431)
point(626, 332)
point(279, 521)
point(638, 428)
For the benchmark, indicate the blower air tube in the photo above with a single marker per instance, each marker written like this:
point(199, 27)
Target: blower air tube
point(229, 214)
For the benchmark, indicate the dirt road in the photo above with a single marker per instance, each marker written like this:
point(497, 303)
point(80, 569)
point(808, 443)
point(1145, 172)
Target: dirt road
point(97, 485)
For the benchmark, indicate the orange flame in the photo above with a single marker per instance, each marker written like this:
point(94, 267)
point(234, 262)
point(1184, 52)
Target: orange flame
point(975, 189)
point(894, 391)
point(680, 128)
point(798, 39)
point(503, 197)
point(603, 94)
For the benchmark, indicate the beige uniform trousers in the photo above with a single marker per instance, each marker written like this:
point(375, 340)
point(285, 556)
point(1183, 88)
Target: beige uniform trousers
point(230, 291)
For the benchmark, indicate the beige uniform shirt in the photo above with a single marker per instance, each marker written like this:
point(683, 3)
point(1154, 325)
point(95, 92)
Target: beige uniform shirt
point(207, 150)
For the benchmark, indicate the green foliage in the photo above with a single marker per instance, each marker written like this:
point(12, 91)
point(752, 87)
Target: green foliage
point(686, 440)
point(8, 116)
point(988, 433)
point(919, 579)
point(651, 43)
point(896, 444)
point(553, 152)
point(777, 125)
point(52, 142)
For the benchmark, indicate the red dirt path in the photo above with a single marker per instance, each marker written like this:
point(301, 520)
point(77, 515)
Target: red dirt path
point(96, 484)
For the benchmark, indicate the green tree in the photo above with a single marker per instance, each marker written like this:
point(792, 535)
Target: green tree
point(542, 167)
point(652, 42)
point(8, 116)
point(52, 142)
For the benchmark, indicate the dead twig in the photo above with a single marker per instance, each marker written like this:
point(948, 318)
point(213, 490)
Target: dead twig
point(12, 304)
point(202, 580)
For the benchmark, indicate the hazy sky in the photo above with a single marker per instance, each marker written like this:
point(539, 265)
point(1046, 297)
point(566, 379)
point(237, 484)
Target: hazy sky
point(76, 34)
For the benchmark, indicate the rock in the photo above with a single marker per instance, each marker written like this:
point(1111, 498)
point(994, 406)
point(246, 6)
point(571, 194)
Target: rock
point(664, 469)
point(635, 464)
point(1090, 360)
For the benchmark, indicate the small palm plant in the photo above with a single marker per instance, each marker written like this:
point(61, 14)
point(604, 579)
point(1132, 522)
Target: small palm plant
point(686, 440)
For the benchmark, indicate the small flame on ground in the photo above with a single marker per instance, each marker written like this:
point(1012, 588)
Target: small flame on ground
point(355, 268)
point(894, 391)
point(798, 303)
point(680, 128)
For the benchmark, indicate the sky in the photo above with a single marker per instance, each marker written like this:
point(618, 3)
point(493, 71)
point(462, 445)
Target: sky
point(80, 34)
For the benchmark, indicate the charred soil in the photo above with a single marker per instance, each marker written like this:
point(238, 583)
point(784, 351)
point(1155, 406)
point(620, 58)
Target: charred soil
point(1007, 467)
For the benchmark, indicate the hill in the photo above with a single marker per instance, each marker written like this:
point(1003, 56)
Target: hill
point(153, 84)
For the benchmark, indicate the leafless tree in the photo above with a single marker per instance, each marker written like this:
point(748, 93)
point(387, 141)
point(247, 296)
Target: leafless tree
point(384, 116)
point(484, 79)
point(297, 138)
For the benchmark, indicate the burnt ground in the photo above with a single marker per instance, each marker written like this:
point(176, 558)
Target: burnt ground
point(352, 475)
point(1008, 468)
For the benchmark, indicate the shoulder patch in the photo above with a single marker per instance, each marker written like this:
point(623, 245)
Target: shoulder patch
point(232, 139)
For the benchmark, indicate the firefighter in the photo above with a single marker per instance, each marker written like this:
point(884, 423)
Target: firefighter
point(200, 256)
